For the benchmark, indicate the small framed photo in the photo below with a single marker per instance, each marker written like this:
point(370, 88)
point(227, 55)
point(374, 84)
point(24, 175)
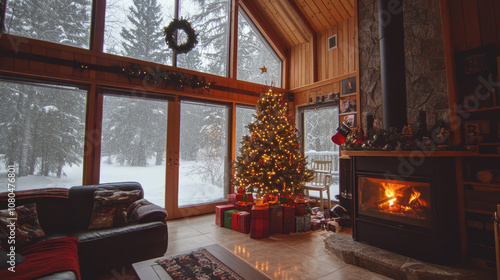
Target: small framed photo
point(472, 132)
point(348, 86)
point(348, 106)
point(352, 120)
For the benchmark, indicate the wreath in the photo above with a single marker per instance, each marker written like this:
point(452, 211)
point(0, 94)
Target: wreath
point(170, 31)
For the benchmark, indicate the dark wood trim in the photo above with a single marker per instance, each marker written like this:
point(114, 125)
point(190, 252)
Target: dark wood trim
point(233, 41)
point(97, 25)
point(93, 129)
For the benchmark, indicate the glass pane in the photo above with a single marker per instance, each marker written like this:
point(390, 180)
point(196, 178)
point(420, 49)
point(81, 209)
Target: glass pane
point(62, 22)
point(244, 116)
point(134, 143)
point(203, 170)
point(209, 18)
point(253, 53)
point(134, 28)
point(319, 126)
point(42, 131)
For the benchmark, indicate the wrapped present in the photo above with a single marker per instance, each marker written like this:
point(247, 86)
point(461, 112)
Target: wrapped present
point(259, 225)
point(243, 221)
point(219, 213)
point(288, 219)
point(244, 206)
point(300, 208)
point(228, 217)
point(275, 219)
point(307, 222)
point(248, 197)
point(239, 197)
point(299, 223)
point(234, 220)
point(232, 198)
point(315, 224)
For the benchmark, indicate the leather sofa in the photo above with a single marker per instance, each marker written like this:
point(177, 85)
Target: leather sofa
point(64, 213)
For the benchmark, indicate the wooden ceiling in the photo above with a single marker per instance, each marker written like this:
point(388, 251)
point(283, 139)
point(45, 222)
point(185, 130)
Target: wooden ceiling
point(294, 22)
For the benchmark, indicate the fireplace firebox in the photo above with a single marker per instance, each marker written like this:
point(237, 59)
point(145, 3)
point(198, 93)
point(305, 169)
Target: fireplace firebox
point(410, 209)
point(407, 202)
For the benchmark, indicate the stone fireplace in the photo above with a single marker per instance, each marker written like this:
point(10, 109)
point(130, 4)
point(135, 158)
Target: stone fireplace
point(408, 209)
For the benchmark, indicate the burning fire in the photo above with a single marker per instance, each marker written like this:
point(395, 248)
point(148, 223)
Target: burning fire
point(397, 200)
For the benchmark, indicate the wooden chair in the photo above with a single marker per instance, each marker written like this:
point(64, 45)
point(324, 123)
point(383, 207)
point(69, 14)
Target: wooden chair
point(321, 181)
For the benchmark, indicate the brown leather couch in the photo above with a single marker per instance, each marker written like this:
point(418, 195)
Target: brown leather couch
point(65, 212)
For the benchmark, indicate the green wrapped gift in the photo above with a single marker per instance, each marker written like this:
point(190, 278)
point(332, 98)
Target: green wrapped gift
point(228, 215)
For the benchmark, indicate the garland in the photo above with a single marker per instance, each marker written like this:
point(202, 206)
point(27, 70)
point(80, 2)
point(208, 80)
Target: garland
point(156, 76)
point(171, 30)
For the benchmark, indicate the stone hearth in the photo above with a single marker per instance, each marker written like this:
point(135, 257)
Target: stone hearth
point(394, 265)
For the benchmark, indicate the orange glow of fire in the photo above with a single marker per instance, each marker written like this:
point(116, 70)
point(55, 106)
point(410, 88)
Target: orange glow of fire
point(414, 195)
point(390, 191)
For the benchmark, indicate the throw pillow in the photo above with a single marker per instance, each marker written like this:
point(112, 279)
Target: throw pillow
point(110, 207)
point(24, 222)
point(143, 211)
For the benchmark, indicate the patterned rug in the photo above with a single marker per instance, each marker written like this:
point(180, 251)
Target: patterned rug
point(199, 264)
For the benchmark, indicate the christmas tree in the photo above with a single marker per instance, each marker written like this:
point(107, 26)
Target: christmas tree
point(270, 162)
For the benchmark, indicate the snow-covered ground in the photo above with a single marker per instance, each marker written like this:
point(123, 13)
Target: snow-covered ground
point(192, 190)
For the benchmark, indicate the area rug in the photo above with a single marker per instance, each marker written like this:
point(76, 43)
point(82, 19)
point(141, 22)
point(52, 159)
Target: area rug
point(199, 264)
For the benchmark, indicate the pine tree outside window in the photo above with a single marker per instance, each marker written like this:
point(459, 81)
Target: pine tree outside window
point(58, 21)
point(255, 52)
point(41, 134)
point(134, 28)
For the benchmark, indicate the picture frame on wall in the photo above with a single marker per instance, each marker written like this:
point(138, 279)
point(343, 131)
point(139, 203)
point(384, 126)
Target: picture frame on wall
point(472, 132)
point(348, 86)
point(352, 119)
point(348, 106)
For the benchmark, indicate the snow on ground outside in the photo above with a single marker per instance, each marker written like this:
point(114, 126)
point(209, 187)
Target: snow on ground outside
point(192, 189)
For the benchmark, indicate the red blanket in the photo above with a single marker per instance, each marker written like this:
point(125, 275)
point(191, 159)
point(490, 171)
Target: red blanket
point(44, 258)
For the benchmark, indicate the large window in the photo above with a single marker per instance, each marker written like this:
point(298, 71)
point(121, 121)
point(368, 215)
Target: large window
point(244, 116)
point(62, 22)
point(134, 143)
point(253, 53)
point(203, 166)
point(319, 126)
point(210, 19)
point(135, 29)
point(42, 131)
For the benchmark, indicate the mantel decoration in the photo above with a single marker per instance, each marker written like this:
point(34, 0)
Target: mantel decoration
point(394, 140)
point(170, 31)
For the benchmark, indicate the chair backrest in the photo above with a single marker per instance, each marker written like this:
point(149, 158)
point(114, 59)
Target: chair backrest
point(321, 169)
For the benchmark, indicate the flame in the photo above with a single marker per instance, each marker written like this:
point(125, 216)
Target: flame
point(414, 195)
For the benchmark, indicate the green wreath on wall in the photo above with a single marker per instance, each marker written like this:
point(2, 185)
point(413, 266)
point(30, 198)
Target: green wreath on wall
point(170, 31)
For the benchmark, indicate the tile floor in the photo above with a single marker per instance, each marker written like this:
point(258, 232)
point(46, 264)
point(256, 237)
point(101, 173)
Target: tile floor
point(281, 256)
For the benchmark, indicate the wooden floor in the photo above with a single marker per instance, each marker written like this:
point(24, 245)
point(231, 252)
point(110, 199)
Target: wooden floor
point(281, 256)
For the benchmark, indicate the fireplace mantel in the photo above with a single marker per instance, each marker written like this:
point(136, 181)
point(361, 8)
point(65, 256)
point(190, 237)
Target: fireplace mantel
point(416, 153)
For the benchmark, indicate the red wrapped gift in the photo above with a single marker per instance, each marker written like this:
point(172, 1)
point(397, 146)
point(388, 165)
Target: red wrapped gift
point(234, 220)
point(232, 199)
point(288, 219)
point(239, 197)
point(244, 206)
point(243, 222)
point(259, 226)
point(300, 208)
point(276, 219)
point(219, 213)
point(248, 197)
point(315, 224)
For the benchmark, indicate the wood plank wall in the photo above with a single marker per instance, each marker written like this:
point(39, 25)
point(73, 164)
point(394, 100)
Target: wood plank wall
point(330, 63)
point(475, 23)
